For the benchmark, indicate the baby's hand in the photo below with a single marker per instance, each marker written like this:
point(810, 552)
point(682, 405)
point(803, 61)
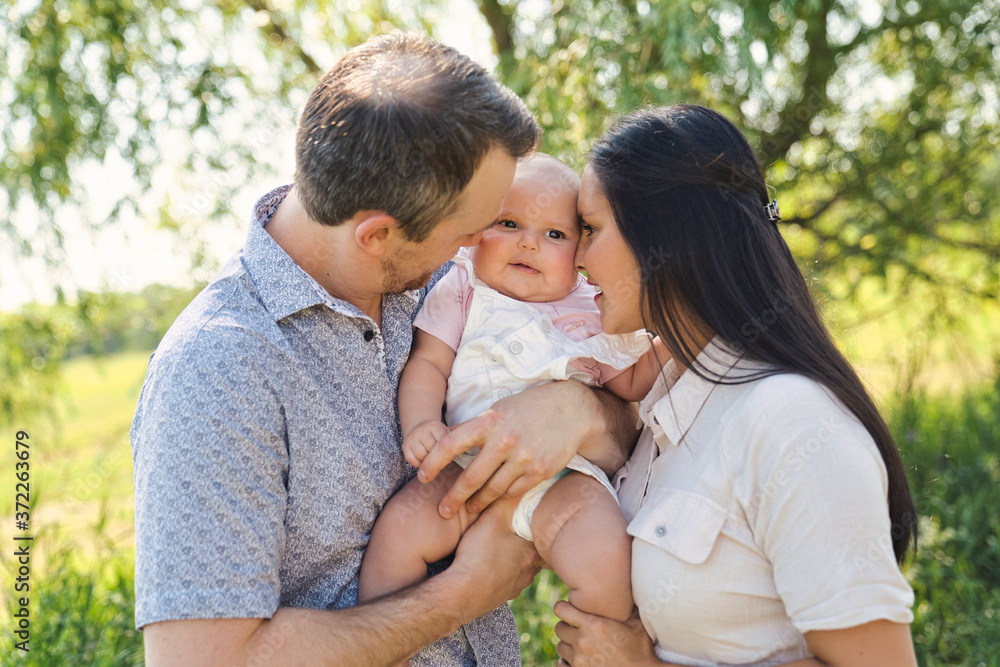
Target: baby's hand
point(421, 439)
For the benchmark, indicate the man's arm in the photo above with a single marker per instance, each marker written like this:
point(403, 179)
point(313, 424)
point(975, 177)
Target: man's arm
point(210, 462)
point(529, 437)
point(491, 565)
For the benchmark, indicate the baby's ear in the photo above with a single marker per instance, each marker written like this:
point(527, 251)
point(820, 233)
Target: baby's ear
point(374, 231)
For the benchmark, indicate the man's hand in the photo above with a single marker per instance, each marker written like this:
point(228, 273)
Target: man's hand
point(497, 563)
point(529, 437)
point(421, 440)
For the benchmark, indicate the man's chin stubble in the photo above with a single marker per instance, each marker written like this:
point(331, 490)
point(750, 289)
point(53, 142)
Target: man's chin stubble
point(394, 284)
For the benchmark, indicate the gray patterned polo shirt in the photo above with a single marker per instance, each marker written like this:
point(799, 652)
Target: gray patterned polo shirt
point(266, 441)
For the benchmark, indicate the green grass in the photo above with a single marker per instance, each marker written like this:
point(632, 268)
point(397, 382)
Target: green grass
point(81, 602)
point(82, 567)
point(952, 448)
point(918, 343)
point(80, 452)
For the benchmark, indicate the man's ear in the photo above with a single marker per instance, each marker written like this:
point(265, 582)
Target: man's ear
point(374, 231)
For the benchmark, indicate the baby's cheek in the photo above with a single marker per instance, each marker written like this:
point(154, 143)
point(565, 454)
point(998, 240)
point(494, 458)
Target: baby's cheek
point(567, 263)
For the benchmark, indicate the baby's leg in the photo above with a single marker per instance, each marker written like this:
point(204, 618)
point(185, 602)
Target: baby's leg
point(409, 534)
point(579, 531)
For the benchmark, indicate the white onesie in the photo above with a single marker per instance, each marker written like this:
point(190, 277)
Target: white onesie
point(508, 346)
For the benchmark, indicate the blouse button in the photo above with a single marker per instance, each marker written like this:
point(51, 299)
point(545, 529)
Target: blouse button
point(516, 347)
point(503, 392)
point(546, 326)
point(661, 531)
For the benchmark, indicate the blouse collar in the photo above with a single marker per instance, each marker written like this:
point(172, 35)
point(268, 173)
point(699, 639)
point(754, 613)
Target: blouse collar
point(677, 397)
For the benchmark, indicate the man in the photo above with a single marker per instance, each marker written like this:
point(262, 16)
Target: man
point(266, 438)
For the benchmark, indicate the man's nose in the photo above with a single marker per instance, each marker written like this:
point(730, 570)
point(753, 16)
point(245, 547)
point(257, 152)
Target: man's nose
point(475, 240)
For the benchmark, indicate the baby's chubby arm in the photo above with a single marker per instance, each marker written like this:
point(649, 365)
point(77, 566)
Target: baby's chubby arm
point(634, 383)
point(423, 386)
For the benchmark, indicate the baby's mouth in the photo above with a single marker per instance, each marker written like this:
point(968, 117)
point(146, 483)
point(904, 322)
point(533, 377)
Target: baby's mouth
point(524, 267)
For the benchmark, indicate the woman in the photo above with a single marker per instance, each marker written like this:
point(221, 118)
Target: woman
point(766, 497)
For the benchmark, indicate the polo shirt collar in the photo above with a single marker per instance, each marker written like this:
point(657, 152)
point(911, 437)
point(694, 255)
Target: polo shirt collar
point(676, 399)
point(284, 287)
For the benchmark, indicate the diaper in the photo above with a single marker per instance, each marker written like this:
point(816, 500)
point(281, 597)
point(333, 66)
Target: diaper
point(521, 522)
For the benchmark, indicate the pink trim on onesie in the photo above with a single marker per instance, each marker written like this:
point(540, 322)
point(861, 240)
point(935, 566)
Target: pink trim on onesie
point(446, 310)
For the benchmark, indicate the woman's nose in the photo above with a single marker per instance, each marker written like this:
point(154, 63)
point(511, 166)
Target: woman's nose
point(581, 251)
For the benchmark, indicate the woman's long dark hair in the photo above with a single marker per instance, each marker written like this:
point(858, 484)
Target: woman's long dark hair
point(689, 197)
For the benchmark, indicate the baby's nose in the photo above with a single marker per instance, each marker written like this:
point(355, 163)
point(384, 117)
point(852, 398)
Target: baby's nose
point(528, 240)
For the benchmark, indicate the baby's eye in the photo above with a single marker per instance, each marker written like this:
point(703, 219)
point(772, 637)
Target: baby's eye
point(509, 224)
point(555, 234)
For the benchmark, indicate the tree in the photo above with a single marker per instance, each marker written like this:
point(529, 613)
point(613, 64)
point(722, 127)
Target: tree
point(877, 122)
point(83, 82)
point(86, 80)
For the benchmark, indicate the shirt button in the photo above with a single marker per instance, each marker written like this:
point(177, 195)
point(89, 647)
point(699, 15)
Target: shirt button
point(516, 347)
point(546, 326)
point(369, 336)
point(503, 392)
point(661, 531)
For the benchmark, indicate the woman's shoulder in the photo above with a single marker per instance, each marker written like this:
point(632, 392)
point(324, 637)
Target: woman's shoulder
point(781, 396)
point(781, 418)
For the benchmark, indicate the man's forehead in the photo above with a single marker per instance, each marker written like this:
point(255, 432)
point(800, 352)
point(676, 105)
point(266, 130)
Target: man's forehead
point(462, 223)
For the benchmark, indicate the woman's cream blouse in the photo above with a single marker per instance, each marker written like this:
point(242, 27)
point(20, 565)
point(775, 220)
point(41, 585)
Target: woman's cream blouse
point(759, 513)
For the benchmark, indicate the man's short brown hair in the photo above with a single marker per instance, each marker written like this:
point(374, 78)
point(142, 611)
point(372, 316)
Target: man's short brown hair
point(400, 124)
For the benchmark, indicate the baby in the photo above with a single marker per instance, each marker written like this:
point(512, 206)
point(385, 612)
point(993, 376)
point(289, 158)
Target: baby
point(511, 315)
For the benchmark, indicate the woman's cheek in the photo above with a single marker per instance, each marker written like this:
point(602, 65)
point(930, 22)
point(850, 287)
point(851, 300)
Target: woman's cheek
point(625, 302)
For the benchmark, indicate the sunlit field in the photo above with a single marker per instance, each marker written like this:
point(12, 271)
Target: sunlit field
point(83, 556)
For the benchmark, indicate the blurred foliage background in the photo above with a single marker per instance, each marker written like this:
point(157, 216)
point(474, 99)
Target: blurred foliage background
point(878, 122)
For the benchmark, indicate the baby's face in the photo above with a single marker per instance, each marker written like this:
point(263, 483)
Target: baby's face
point(528, 252)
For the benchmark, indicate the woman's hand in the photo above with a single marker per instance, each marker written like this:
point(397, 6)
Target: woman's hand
point(588, 640)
